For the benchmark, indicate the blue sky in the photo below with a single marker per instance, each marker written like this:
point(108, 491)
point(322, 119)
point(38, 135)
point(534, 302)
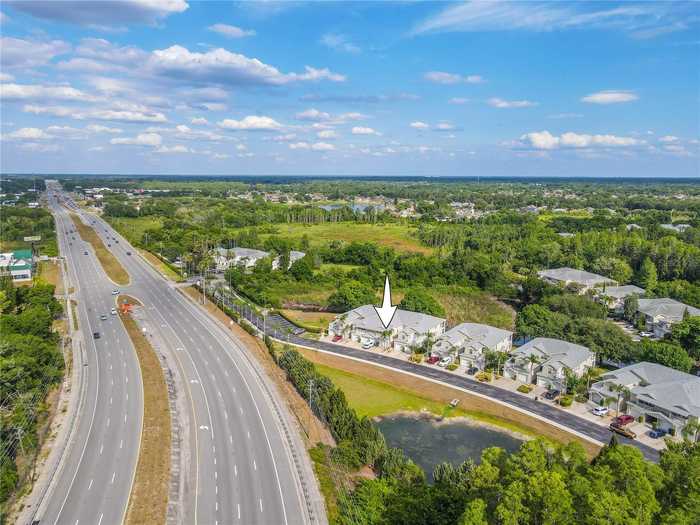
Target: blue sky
point(349, 88)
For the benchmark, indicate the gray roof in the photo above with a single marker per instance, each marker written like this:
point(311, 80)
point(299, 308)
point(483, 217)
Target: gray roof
point(575, 276)
point(473, 335)
point(554, 351)
point(660, 386)
point(248, 253)
point(669, 309)
point(620, 292)
point(366, 317)
point(295, 255)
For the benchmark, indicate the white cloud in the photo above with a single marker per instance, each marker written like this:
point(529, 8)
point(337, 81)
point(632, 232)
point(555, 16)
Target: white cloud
point(361, 130)
point(419, 125)
point(96, 148)
point(96, 114)
point(41, 148)
point(231, 31)
point(101, 14)
point(506, 104)
point(28, 134)
point(677, 149)
point(640, 19)
point(440, 77)
point(9, 91)
point(327, 134)
point(299, 145)
point(313, 115)
point(199, 121)
point(546, 141)
point(445, 126)
point(318, 146)
point(25, 54)
point(67, 132)
point(251, 123)
point(241, 147)
point(142, 139)
point(179, 148)
point(565, 115)
point(669, 138)
point(339, 43)
point(98, 128)
point(610, 97)
point(458, 100)
point(288, 137)
point(6, 77)
point(223, 67)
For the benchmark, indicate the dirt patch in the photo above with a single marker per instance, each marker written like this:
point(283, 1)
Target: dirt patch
point(148, 501)
point(50, 272)
point(445, 394)
point(109, 262)
point(314, 431)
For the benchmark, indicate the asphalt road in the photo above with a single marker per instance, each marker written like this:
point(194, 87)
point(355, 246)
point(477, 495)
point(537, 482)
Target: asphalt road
point(94, 483)
point(242, 469)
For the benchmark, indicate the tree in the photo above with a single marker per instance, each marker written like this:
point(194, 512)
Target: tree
point(648, 275)
point(687, 335)
point(351, 295)
point(474, 514)
point(302, 269)
point(538, 321)
point(419, 300)
point(613, 267)
point(631, 307)
point(667, 354)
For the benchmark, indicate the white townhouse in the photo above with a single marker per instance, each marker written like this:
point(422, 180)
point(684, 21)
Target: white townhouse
point(247, 257)
point(661, 314)
point(405, 331)
point(470, 341)
point(566, 276)
point(545, 361)
point(614, 296)
point(659, 395)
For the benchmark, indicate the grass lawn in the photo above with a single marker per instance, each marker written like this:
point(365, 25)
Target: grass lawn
point(133, 228)
point(372, 398)
point(50, 272)
point(109, 262)
point(159, 265)
point(337, 266)
point(309, 320)
point(463, 305)
point(394, 235)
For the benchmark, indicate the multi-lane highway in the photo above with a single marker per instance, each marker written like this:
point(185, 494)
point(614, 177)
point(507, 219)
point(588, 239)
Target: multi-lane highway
point(245, 467)
point(95, 479)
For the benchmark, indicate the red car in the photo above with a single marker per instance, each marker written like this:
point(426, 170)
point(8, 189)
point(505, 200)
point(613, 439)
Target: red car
point(337, 338)
point(624, 419)
point(432, 360)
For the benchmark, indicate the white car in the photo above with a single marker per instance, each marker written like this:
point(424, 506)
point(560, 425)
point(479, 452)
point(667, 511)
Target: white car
point(444, 361)
point(601, 411)
point(113, 311)
point(115, 292)
point(366, 345)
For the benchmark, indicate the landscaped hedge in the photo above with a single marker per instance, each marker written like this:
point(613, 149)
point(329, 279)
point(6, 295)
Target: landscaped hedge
point(525, 389)
point(566, 400)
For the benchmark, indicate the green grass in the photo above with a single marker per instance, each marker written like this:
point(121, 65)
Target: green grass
point(464, 305)
point(395, 235)
point(313, 321)
point(324, 475)
point(336, 266)
point(374, 398)
point(134, 228)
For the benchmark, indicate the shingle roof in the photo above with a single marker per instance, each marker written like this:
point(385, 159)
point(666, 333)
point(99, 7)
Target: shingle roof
point(553, 351)
point(575, 276)
point(474, 335)
point(661, 386)
point(365, 317)
point(249, 253)
point(620, 292)
point(669, 309)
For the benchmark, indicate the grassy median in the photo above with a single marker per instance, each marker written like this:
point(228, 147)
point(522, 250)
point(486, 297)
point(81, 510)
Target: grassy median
point(148, 502)
point(109, 262)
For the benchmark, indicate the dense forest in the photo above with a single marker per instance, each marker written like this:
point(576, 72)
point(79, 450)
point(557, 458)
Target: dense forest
point(30, 365)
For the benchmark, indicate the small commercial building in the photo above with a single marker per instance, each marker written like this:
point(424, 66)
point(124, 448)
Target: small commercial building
point(470, 342)
point(19, 265)
point(406, 331)
point(660, 396)
point(547, 362)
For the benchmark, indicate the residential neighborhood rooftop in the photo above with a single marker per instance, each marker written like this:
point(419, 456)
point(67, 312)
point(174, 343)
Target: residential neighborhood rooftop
point(552, 351)
point(669, 309)
point(620, 292)
point(366, 317)
point(575, 276)
point(475, 335)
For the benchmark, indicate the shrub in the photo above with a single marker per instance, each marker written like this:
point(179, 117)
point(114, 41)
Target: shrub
point(484, 376)
point(452, 366)
point(525, 389)
point(566, 400)
point(416, 358)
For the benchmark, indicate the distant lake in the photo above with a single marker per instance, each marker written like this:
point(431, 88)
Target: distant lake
point(429, 442)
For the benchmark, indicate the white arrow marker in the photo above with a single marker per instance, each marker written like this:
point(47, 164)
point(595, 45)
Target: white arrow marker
point(386, 311)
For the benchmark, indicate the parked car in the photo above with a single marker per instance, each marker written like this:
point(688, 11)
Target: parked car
point(657, 433)
point(85, 253)
point(551, 394)
point(623, 431)
point(624, 419)
point(472, 370)
point(444, 361)
point(367, 344)
point(115, 292)
point(601, 411)
point(337, 338)
point(113, 311)
point(128, 253)
point(103, 317)
point(432, 359)
point(645, 334)
point(96, 335)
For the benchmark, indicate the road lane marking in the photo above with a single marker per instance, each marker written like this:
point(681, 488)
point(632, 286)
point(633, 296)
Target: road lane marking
point(239, 510)
point(90, 485)
point(235, 470)
point(101, 448)
point(113, 475)
point(260, 500)
point(255, 465)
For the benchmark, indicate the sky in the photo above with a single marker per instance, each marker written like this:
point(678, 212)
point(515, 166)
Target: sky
point(500, 88)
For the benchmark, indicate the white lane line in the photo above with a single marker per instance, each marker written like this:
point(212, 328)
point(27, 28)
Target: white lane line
point(101, 448)
point(113, 475)
point(121, 443)
point(255, 465)
point(239, 510)
point(90, 485)
point(100, 521)
point(124, 418)
point(235, 470)
point(260, 500)
point(249, 434)
point(108, 420)
point(217, 507)
point(110, 400)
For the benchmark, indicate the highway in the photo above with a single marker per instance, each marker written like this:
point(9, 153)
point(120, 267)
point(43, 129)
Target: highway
point(94, 482)
point(242, 468)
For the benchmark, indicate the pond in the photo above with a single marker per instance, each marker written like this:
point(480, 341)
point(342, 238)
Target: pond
point(428, 441)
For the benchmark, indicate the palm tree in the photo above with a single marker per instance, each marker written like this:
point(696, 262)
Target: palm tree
point(385, 338)
point(532, 360)
point(622, 393)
